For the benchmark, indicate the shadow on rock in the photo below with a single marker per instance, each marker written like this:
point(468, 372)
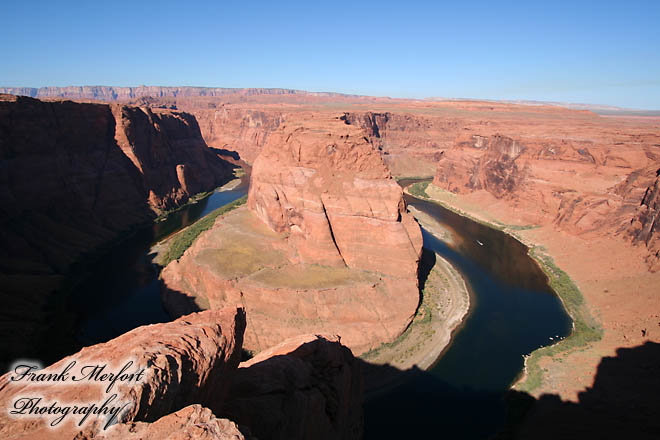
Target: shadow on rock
point(622, 403)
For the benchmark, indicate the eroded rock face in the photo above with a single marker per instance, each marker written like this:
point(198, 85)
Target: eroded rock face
point(325, 186)
point(325, 246)
point(243, 131)
point(193, 422)
point(411, 145)
point(193, 387)
point(572, 185)
point(75, 176)
point(645, 226)
point(190, 360)
point(307, 387)
point(478, 162)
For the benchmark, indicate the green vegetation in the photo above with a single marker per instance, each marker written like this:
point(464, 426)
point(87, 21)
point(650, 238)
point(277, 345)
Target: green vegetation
point(312, 276)
point(585, 328)
point(421, 328)
point(184, 239)
point(193, 199)
point(419, 190)
point(400, 178)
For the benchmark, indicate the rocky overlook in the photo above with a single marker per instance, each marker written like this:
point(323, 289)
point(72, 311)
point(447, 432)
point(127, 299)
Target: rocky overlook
point(192, 384)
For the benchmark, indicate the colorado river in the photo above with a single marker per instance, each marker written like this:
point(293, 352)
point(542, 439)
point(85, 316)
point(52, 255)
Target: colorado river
point(122, 290)
point(513, 311)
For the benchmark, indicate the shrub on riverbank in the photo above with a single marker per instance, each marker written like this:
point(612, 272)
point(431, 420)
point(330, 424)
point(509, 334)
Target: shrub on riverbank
point(585, 328)
point(184, 239)
point(419, 190)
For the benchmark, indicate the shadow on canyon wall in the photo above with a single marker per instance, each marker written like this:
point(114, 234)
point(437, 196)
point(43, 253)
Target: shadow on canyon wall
point(71, 194)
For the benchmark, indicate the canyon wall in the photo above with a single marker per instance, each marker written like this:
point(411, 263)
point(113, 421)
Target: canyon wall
point(111, 93)
point(326, 187)
point(233, 130)
point(74, 177)
point(645, 225)
point(586, 190)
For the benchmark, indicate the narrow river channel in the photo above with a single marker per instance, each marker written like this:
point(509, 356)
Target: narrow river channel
point(512, 312)
point(122, 290)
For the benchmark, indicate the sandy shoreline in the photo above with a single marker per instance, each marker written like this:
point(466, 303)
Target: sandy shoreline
point(445, 303)
point(611, 275)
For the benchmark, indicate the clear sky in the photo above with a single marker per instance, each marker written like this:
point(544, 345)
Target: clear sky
point(602, 52)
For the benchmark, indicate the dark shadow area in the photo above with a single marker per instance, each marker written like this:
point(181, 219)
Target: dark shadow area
point(426, 263)
point(307, 391)
point(622, 403)
point(76, 217)
point(227, 153)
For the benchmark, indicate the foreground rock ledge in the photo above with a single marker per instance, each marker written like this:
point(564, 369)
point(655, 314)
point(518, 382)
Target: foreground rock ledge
point(307, 387)
point(326, 245)
point(190, 360)
point(310, 372)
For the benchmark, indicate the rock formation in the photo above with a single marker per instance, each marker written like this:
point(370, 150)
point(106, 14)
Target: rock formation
point(75, 176)
point(193, 422)
point(488, 163)
point(334, 198)
point(326, 245)
point(193, 388)
point(311, 372)
point(645, 225)
point(188, 361)
point(244, 131)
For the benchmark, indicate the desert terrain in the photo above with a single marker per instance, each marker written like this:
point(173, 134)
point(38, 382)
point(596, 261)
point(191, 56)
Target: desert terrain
point(325, 244)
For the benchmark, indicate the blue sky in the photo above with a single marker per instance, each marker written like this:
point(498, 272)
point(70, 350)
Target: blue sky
point(603, 52)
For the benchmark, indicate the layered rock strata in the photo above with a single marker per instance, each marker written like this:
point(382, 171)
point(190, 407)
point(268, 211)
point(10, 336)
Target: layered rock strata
point(74, 177)
point(325, 245)
point(191, 387)
point(188, 361)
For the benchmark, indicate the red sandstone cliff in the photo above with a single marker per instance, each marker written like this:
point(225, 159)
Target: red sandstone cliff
point(645, 225)
point(325, 246)
point(73, 177)
point(571, 186)
point(243, 131)
point(326, 187)
point(191, 360)
point(192, 384)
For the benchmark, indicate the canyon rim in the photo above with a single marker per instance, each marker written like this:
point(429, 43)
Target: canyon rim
point(322, 263)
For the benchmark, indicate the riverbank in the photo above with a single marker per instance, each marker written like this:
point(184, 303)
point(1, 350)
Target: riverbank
point(445, 301)
point(172, 247)
point(606, 288)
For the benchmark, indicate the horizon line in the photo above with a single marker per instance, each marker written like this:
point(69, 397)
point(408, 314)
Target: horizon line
point(565, 104)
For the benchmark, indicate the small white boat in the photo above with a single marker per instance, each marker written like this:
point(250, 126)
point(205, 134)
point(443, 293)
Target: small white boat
point(480, 243)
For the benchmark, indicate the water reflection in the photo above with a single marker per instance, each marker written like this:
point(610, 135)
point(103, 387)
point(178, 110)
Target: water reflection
point(122, 291)
point(513, 312)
